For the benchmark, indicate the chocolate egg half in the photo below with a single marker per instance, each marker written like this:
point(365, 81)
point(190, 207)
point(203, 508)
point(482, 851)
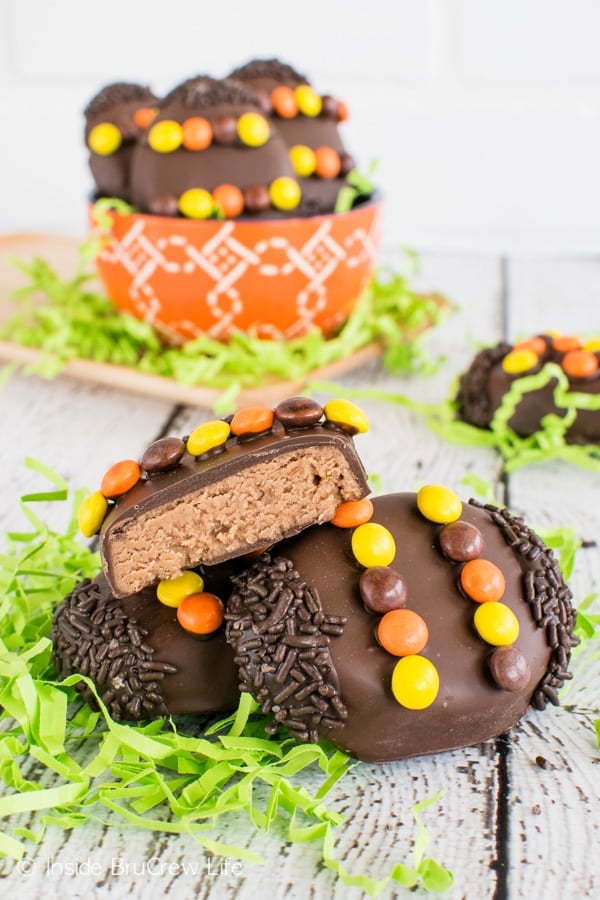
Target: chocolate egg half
point(308, 651)
point(142, 662)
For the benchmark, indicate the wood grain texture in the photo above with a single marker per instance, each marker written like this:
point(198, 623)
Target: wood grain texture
point(520, 817)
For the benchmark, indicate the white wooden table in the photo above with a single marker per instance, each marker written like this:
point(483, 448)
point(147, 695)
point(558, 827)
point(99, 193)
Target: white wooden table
point(507, 826)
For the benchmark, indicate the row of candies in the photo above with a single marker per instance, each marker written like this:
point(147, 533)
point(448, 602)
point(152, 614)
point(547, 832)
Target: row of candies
point(197, 133)
point(167, 453)
point(577, 358)
point(401, 631)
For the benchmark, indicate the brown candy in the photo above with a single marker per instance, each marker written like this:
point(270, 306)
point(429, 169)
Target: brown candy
point(329, 106)
point(164, 205)
point(162, 455)
point(224, 129)
point(346, 163)
point(382, 589)
point(510, 669)
point(298, 412)
point(256, 198)
point(460, 541)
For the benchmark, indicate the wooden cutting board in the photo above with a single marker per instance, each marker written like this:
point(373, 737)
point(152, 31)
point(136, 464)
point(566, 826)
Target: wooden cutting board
point(62, 253)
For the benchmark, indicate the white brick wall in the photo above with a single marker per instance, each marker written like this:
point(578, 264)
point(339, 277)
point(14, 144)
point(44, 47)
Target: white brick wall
point(484, 115)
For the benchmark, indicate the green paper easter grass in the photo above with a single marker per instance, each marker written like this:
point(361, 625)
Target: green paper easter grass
point(76, 321)
point(69, 764)
point(548, 443)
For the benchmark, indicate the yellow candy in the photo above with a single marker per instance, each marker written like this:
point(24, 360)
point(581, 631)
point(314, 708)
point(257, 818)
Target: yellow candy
point(165, 136)
point(592, 346)
point(303, 160)
point(496, 624)
point(196, 203)
point(172, 591)
point(207, 436)
point(415, 682)
point(285, 193)
point(90, 515)
point(518, 361)
point(373, 545)
point(104, 139)
point(309, 102)
point(253, 129)
point(346, 414)
point(439, 504)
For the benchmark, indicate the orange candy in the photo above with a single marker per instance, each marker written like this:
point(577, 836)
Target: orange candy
point(566, 343)
point(144, 116)
point(482, 581)
point(353, 513)
point(579, 363)
point(252, 420)
point(283, 100)
point(343, 111)
point(197, 133)
point(120, 478)
point(537, 344)
point(229, 199)
point(402, 632)
point(200, 613)
point(328, 163)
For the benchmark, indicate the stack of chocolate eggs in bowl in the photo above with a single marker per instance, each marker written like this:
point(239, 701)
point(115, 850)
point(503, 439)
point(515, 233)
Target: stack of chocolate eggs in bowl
point(230, 205)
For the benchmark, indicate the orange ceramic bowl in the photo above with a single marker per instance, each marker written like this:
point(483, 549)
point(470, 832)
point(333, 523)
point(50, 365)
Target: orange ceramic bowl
point(271, 277)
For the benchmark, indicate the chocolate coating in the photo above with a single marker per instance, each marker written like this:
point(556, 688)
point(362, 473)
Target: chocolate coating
point(470, 706)
point(142, 662)
point(484, 384)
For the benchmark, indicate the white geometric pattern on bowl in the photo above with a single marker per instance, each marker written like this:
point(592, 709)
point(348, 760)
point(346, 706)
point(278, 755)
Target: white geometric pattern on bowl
point(225, 261)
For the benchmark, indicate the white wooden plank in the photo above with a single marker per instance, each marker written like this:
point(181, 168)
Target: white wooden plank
point(555, 822)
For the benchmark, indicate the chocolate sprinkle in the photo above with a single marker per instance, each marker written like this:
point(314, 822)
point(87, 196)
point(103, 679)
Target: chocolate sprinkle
point(292, 676)
point(202, 91)
point(548, 596)
point(113, 654)
point(268, 68)
point(473, 399)
point(114, 94)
